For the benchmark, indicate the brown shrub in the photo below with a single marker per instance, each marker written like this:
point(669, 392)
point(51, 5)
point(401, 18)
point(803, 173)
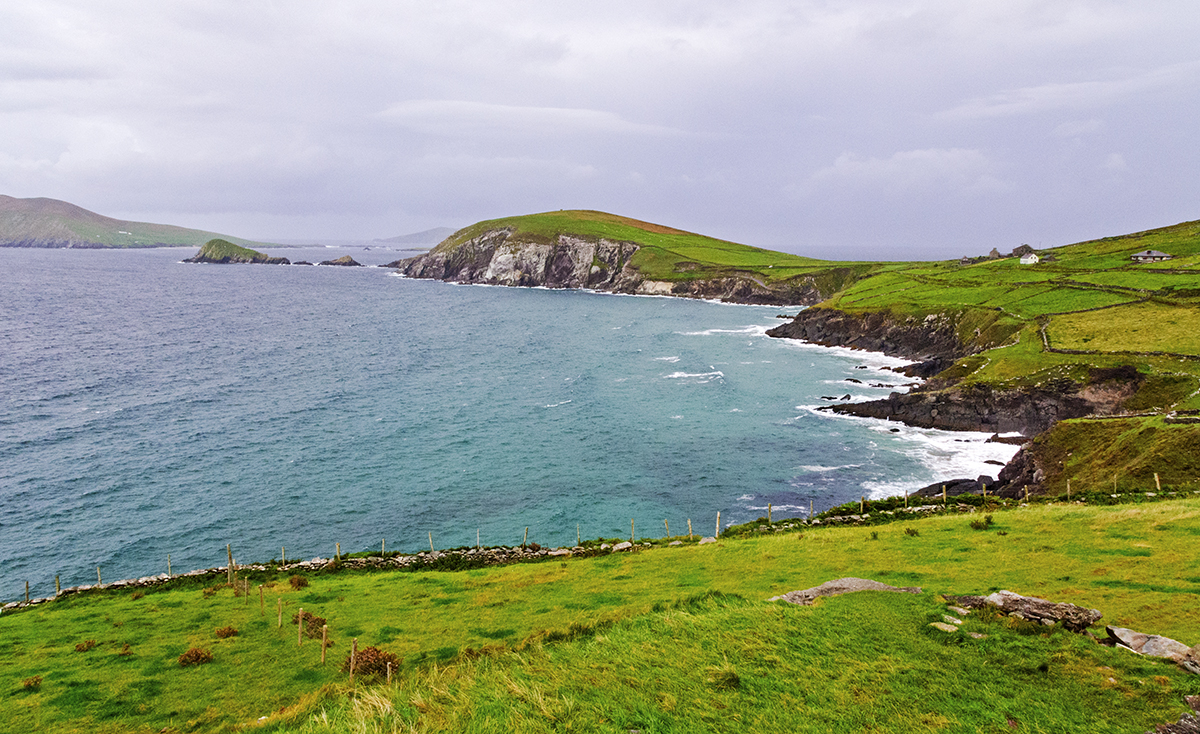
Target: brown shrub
point(32, 684)
point(137, 595)
point(298, 582)
point(125, 650)
point(225, 632)
point(371, 662)
point(210, 591)
point(84, 646)
point(195, 656)
point(312, 624)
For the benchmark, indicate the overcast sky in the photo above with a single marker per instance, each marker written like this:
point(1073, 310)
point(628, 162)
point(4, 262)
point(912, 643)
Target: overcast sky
point(894, 129)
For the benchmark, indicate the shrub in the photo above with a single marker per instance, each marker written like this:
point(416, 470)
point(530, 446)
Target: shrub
point(874, 535)
point(125, 650)
point(912, 532)
point(32, 684)
point(137, 595)
point(225, 632)
point(85, 646)
point(195, 656)
point(371, 662)
point(209, 591)
point(312, 624)
point(298, 582)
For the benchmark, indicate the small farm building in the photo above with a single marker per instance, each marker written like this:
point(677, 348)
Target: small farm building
point(1149, 256)
point(1030, 259)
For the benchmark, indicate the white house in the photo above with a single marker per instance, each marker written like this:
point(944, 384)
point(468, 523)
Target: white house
point(1149, 256)
point(1030, 259)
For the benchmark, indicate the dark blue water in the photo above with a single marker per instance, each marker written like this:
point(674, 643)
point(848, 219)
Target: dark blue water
point(150, 407)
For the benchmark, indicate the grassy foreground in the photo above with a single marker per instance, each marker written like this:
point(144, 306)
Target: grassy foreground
point(669, 639)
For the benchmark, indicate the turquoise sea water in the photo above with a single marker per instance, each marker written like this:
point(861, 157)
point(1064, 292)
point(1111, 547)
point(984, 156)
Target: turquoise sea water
point(152, 407)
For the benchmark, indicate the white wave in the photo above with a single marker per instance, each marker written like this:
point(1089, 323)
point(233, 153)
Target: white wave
point(666, 359)
point(556, 404)
point(700, 376)
point(745, 497)
point(755, 329)
point(818, 468)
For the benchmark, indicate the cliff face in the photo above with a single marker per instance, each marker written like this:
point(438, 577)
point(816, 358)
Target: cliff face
point(573, 262)
point(932, 341)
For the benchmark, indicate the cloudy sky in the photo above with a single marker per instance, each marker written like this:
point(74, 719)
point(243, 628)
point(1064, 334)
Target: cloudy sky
point(838, 128)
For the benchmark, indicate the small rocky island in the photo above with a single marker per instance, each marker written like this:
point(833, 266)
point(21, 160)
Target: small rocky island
point(221, 252)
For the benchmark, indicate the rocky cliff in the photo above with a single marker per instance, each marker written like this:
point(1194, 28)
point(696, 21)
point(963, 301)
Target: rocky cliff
point(947, 403)
point(495, 257)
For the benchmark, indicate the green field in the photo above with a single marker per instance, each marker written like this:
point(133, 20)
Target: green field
point(667, 639)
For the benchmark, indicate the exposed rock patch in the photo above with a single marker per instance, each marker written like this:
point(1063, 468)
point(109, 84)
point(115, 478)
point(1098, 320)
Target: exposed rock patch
point(343, 261)
point(837, 587)
point(1033, 609)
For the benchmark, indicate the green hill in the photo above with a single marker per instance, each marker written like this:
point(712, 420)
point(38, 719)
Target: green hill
point(220, 251)
point(52, 223)
point(590, 249)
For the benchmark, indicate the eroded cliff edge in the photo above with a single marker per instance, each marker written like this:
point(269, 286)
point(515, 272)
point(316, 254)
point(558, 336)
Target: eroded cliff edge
point(498, 257)
point(948, 401)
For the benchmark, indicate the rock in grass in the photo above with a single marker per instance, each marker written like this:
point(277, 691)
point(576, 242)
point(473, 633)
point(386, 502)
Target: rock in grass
point(837, 587)
point(1153, 645)
point(709, 539)
point(1074, 618)
point(626, 545)
point(943, 626)
point(1191, 662)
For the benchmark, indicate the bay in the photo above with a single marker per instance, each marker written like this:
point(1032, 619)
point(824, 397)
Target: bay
point(151, 407)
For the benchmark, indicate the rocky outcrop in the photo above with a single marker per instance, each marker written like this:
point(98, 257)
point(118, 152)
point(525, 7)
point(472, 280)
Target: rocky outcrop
point(222, 252)
point(1187, 724)
point(980, 407)
point(931, 341)
point(344, 261)
point(1033, 609)
point(496, 258)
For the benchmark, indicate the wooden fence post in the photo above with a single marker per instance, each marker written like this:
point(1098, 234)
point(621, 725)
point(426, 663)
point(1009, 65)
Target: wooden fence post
point(300, 627)
point(631, 530)
point(353, 655)
point(431, 550)
point(280, 606)
point(667, 525)
point(229, 568)
point(943, 495)
point(1157, 484)
point(525, 540)
point(578, 536)
point(99, 581)
point(338, 554)
point(768, 513)
point(57, 588)
point(26, 591)
point(324, 643)
point(689, 528)
point(262, 603)
point(389, 672)
point(718, 533)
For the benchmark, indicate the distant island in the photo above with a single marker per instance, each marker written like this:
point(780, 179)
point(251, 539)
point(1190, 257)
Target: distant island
point(50, 223)
point(427, 237)
point(222, 252)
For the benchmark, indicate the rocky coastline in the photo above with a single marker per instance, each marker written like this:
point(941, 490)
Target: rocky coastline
point(492, 258)
point(945, 403)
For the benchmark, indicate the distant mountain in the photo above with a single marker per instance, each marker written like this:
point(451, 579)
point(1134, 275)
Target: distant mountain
point(428, 237)
point(45, 222)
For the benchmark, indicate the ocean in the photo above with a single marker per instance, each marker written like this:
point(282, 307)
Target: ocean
point(151, 407)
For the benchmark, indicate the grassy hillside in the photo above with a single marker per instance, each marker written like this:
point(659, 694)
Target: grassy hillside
point(45, 222)
point(668, 639)
point(666, 254)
